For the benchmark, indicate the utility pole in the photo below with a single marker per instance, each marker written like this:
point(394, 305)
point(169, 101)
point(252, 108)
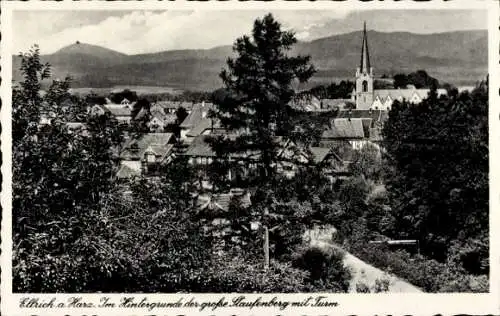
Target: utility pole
point(266, 240)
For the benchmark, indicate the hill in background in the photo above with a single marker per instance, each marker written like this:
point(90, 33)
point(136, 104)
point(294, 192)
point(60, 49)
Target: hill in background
point(459, 58)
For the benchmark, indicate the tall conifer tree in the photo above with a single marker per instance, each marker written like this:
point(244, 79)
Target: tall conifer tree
point(260, 83)
point(260, 80)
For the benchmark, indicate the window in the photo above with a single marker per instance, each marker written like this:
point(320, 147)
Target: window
point(365, 86)
point(150, 158)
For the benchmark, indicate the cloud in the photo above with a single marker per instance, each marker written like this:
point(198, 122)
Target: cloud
point(134, 32)
point(148, 31)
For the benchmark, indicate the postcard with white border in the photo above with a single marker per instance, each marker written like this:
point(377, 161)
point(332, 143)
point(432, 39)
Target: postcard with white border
point(248, 158)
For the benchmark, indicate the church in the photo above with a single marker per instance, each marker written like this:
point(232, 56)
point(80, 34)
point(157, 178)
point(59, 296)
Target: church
point(367, 98)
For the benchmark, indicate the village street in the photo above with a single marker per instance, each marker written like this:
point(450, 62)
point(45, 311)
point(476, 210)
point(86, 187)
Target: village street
point(362, 272)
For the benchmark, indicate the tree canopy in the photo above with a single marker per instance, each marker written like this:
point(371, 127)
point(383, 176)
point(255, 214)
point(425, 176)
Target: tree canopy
point(438, 185)
point(261, 79)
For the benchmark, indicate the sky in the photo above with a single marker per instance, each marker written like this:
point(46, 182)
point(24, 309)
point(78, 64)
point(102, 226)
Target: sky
point(136, 32)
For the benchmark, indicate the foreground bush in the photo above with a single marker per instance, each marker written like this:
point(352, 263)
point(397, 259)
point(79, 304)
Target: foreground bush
point(428, 274)
point(325, 268)
point(236, 275)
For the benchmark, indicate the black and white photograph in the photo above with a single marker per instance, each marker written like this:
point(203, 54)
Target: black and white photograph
point(249, 151)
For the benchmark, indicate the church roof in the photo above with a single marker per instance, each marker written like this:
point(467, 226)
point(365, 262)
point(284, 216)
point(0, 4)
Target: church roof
point(365, 56)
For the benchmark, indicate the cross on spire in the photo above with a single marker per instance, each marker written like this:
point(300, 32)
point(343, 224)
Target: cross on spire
point(365, 56)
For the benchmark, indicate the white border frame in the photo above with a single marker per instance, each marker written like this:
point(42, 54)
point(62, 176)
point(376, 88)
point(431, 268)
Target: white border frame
point(424, 304)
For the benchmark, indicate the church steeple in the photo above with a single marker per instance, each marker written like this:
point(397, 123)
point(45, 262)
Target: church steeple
point(364, 77)
point(365, 55)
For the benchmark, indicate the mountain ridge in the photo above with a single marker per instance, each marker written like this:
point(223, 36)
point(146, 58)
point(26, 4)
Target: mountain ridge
point(449, 56)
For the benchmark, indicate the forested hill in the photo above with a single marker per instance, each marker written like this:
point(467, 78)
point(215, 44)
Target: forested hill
point(455, 57)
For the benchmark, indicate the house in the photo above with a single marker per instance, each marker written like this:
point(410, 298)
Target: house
point(198, 119)
point(158, 119)
point(347, 129)
point(357, 132)
point(97, 110)
point(127, 171)
point(123, 114)
point(125, 102)
point(213, 210)
point(357, 127)
point(171, 107)
point(291, 157)
point(77, 128)
point(383, 98)
point(200, 153)
point(147, 153)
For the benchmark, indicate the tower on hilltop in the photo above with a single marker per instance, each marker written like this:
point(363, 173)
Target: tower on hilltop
point(364, 77)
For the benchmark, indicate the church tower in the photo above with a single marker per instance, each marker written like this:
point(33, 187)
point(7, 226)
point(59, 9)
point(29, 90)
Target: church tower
point(364, 77)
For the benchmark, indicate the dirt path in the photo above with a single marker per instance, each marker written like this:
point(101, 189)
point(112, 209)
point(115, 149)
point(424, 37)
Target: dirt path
point(362, 272)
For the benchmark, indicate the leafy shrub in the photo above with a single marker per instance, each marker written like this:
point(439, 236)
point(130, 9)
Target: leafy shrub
point(237, 275)
point(324, 267)
point(362, 287)
point(382, 285)
point(428, 274)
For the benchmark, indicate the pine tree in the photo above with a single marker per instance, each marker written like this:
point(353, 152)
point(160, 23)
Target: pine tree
point(256, 110)
point(261, 80)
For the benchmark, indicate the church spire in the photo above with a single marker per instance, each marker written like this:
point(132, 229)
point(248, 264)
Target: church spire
point(365, 56)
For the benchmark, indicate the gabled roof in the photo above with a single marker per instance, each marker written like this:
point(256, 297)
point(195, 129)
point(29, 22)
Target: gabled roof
point(198, 113)
point(406, 94)
point(345, 128)
point(162, 116)
point(375, 115)
point(120, 111)
point(135, 148)
point(173, 104)
point(197, 130)
point(160, 151)
point(220, 202)
point(126, 172)
point(319, 153)
point(201, 148)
